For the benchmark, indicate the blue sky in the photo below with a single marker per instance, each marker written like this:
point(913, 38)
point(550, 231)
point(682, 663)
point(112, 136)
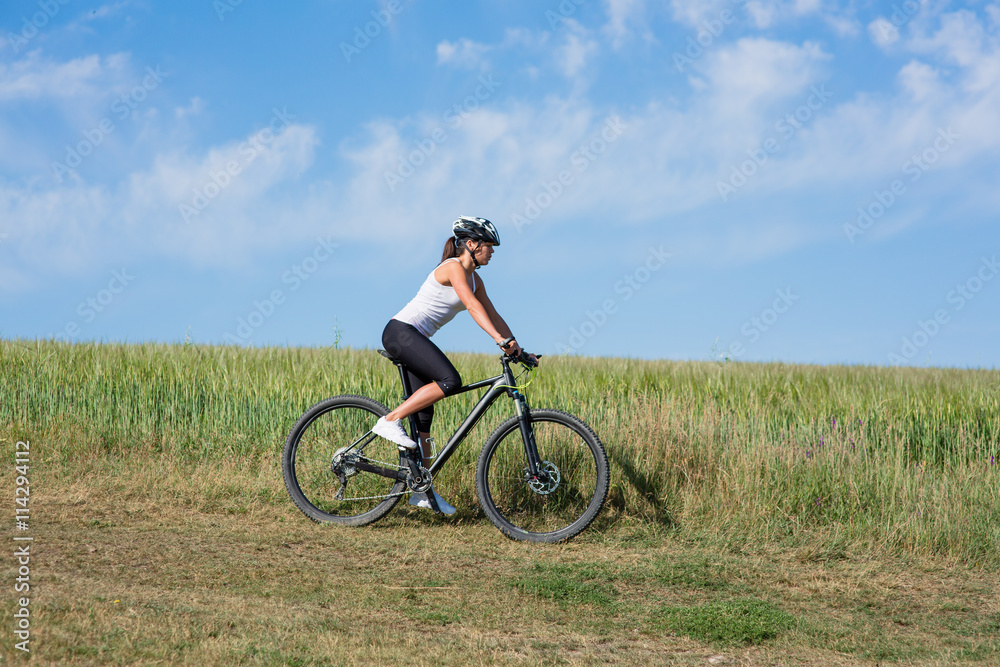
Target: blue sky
point(810, 181)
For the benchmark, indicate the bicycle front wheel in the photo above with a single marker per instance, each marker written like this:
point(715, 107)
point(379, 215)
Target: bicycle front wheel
point(560, 502)
point(320, 460)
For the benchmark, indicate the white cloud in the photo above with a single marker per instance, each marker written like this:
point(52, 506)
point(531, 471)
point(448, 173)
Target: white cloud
point(963, 41)
point(662, 170)
point(464, 53)
point(693, 12)
point(759, 73)
point(490, 162)
point(569, 57)
point(843, 26)
point(766, 13)
point(669, 160)
point(33, 78)
point(232, 210)
point(194, 108)
point(79, 100)
point(920, 80)
point(960, 39)
point(762, 13)
point(624, 17)
point(883, 32)
point(573, 54)
point(665, 162)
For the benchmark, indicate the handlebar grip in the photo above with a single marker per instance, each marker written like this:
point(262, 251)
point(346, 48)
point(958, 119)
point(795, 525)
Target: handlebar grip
point(526, 360)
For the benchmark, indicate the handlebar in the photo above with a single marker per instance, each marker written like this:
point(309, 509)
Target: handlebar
point(523, 358)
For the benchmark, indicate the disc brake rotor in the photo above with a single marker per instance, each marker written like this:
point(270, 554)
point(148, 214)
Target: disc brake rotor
point(547, 480)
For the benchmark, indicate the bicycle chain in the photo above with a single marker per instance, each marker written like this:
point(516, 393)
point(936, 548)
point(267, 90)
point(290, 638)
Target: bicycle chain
point(388, 495)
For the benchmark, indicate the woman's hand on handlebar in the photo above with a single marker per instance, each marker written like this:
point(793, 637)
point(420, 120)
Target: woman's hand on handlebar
point(511, 349)
point(530, 359)
point(525, 358)
point(515, 351)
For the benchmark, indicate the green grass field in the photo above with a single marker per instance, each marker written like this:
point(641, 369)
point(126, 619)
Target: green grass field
point(767, 513)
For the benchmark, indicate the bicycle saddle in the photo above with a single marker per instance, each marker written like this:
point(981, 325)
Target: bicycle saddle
point(389, 357)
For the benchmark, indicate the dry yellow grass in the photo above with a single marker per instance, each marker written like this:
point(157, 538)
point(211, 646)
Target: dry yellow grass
point(154, 562)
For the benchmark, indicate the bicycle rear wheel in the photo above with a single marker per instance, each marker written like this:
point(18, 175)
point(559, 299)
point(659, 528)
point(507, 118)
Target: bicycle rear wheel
point(320, 457)
point(567, 496)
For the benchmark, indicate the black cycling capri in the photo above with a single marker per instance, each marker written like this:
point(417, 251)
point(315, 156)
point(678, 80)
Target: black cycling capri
point(424, 361)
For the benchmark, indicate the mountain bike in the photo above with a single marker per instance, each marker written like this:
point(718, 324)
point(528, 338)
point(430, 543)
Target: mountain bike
point(542, 475)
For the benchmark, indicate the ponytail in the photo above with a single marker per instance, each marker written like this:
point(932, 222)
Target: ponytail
point(451, 248)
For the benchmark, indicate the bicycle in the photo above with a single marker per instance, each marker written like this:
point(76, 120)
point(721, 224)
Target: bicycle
point(542, 475)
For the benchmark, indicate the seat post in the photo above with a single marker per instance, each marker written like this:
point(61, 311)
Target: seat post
point(407, 390)
point(405, 379)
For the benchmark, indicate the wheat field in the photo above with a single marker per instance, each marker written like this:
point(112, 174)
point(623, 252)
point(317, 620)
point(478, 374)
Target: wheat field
point(863, 459)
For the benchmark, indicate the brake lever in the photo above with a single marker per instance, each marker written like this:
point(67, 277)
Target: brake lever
point(526, 360)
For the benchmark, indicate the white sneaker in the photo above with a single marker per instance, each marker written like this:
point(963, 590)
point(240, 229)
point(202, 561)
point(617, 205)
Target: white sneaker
point(393, 432)
point(443, 506)
point(422, 500)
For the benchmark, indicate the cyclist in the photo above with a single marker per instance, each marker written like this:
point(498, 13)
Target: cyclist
point(450, 288)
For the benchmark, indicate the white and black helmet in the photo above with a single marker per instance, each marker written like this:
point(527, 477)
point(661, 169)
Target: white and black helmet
point(475, 228)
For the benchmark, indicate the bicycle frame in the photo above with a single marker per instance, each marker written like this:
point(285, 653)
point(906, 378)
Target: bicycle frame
point(498, 385)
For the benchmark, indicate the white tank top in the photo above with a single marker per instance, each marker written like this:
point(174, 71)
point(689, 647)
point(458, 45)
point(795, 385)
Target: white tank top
point(434, 305)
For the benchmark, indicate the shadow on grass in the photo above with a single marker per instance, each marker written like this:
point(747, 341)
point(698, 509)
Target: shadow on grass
point(643, 487)
point(646, 489)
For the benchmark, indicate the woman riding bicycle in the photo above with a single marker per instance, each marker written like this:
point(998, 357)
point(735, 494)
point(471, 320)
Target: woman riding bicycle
point(450, 288)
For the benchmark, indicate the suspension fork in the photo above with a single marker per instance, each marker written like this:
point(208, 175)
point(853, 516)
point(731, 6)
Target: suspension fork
point(527, 432)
